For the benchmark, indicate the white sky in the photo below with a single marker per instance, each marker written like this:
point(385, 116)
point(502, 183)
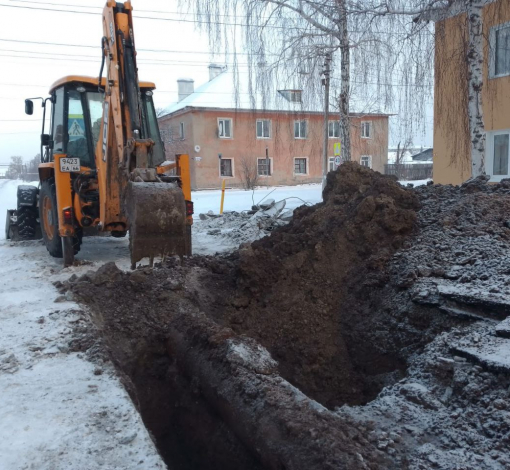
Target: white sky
point(29, 68)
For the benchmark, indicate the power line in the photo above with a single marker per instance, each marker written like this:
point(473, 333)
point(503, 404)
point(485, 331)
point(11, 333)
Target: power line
point(145, 17)
point(169, 63)
point(97, 58)
point(141, 11)
point(97, 47)
point(286, 28)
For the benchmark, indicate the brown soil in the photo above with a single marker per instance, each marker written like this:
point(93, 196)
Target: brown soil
point(306, 292)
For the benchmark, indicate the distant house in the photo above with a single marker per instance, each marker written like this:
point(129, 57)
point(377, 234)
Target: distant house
point(230, 132)
point(424, 156)
point(452, 156)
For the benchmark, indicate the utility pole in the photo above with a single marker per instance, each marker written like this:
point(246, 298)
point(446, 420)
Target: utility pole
point(325, 82)
point(268, 169)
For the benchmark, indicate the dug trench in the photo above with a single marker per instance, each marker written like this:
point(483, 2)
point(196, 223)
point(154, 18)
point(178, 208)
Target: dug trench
point(246, 360)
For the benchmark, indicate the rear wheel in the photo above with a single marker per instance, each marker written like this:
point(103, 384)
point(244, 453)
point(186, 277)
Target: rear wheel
point(48, 217)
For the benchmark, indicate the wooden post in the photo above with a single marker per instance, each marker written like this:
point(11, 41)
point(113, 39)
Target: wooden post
point(222, 196)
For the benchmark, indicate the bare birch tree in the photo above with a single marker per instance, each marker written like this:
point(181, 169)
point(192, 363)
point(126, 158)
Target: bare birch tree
point(376, 53)
point(437, 10)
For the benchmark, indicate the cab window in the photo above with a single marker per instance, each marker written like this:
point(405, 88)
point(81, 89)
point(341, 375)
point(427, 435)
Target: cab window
point(77, 145)
point(95, 103)
point(158, 151)
point(58, 122)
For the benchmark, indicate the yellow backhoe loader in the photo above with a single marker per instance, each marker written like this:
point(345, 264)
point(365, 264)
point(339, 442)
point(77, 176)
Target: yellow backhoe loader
point(103, 165)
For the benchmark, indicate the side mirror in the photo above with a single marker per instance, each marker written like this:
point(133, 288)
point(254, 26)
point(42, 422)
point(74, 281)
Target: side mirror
point(45, 140)
point(29, 107)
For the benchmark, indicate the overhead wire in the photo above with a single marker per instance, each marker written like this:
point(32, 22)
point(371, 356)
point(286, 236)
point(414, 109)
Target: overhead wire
point(271, 26)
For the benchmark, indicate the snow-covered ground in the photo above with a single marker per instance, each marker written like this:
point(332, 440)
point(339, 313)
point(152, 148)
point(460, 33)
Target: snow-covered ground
point(414, 182)
point(239, 200)
point(57, 409)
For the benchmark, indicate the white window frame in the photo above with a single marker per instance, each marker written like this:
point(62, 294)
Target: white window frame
point(271, 169)
point(331, 164)
point(306, 130)
point(489, 161)
point(231, 128)
point(369, 160)
point(257, 130)
point(307, 166)
point(232, 165)
point(329, 133)
point(492, 50)
point(370, 129)
point(181, 130)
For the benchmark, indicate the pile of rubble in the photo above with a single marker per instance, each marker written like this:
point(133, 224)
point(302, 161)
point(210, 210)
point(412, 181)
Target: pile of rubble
point(244, 227)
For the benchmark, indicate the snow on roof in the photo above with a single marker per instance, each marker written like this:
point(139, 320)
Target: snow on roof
point(408, 156)
point(239, 91)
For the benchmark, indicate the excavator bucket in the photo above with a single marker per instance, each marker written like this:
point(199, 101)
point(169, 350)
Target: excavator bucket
point(157, 220)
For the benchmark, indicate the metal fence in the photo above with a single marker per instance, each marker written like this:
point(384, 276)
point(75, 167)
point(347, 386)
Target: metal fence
point(406, 171)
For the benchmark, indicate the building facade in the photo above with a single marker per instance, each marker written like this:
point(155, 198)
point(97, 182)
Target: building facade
point(279, 147)
point(452, 154)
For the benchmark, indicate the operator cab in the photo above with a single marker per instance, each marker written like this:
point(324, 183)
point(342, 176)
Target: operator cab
point(75, 120)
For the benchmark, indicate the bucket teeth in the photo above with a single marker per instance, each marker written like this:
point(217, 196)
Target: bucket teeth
point(157, 220)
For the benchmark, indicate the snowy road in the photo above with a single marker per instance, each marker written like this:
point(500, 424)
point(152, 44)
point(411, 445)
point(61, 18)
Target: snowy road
point(55, 411)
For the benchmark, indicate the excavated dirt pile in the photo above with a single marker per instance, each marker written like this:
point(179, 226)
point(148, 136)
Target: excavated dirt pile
point(312, 291)
point(260, 359)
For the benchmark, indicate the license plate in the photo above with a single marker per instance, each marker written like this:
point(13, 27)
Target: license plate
point(68, 165)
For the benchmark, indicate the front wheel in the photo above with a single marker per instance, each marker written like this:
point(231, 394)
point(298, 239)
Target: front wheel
point(27, 222)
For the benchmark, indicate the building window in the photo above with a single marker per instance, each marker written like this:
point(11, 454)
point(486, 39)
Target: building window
point(499, 40)
point(263, 128)
point(366, 129)
point(300, 166)
point(181, 130)
point(500, 155)
point(366, 160)
point(294, 96)
point(226, 167)
point(334, 129)
point(224, 128)
point(264, 166)
point(300, 129)
point(331, 164)
point(497, 164)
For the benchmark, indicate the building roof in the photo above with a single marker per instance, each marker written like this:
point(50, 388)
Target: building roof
point(425, 156)
point(237, 92)
point(410, 156)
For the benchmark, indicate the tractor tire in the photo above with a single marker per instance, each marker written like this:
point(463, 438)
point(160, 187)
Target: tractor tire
point(27, 222)
point(48, 216)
